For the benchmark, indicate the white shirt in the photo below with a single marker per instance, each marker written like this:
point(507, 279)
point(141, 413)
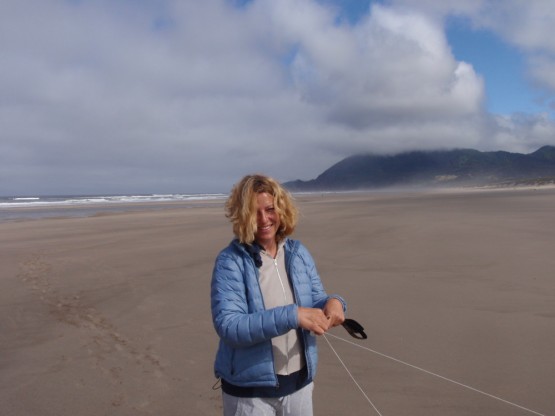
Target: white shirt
point(276, 291)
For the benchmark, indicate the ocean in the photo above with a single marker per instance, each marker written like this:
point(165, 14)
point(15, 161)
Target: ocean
point(14, 208)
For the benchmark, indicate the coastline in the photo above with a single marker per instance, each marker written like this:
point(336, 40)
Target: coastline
point(110, 313)
point(95, 209)
point(34, 210)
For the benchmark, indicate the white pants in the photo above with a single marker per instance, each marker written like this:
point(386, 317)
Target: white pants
point(296, 404)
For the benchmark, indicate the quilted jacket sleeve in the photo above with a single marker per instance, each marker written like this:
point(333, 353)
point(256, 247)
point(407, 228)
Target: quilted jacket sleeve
point(239, 316)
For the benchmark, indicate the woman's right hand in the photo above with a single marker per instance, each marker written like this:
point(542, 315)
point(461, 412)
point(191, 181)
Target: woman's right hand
point(313, 319)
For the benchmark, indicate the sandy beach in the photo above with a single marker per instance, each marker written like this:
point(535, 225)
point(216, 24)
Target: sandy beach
point(110, 314)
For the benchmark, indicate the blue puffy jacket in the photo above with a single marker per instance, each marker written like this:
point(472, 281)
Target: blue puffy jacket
point(245, 327)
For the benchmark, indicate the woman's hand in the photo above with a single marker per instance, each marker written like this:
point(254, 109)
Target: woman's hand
point(319, 321)
point(313, 319)
point(334, 312)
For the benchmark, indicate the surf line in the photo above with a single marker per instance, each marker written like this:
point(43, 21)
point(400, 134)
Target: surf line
point(416, 368)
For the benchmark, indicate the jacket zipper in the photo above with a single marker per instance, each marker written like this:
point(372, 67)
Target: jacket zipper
point(288, 259)
point(285, 301)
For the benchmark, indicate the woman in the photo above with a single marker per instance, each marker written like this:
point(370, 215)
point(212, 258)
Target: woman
point(267, 304)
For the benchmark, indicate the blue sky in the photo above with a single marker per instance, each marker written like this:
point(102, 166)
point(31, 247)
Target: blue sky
point(187, 96)
point(507, 88)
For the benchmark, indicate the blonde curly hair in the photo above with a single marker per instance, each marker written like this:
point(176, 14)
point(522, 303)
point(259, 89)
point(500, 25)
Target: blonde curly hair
point(241, 207)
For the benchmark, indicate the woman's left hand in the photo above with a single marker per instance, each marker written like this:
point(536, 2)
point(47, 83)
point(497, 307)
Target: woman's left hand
point(334, 312)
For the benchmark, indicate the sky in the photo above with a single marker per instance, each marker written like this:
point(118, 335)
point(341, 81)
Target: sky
point(187, 96)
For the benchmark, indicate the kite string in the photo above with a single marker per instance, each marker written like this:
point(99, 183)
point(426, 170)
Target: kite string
point(350, 375)
point(431, 373)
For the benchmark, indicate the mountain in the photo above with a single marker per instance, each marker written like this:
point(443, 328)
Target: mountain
point(431, 168)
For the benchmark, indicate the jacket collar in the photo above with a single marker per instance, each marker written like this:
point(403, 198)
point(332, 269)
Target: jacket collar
point(254, 249)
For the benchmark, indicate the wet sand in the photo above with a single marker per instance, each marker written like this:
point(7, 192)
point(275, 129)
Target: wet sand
point(109, 315)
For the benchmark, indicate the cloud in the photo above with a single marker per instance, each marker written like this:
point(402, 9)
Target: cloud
point(527, 25)
point(521, 132)
point(399, 69)
point(385, 83)
point(172, 96)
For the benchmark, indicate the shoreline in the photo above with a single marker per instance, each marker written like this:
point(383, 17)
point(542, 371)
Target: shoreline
point(83, 210)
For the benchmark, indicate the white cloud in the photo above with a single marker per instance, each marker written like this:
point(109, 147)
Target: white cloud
point(521, 132)
point(527, 25)
point(391, 65)
point(187, 96)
